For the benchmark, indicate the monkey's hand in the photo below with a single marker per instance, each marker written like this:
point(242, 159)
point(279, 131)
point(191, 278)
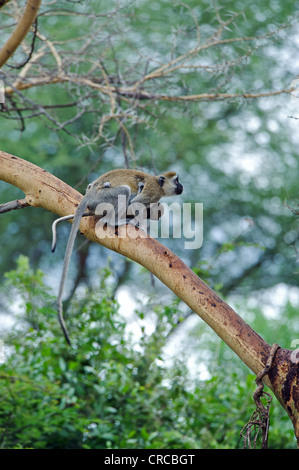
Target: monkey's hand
point(138, 213)
point(155, 211)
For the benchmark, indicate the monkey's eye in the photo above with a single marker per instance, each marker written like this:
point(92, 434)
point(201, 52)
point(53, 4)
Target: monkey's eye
point(89, 186)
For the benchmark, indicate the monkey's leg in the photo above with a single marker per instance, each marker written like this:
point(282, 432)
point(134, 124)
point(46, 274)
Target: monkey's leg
point(112, 205)
point(140, 187)
point(61, 219)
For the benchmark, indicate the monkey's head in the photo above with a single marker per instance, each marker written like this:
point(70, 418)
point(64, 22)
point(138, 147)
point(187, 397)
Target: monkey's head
point(169, 182)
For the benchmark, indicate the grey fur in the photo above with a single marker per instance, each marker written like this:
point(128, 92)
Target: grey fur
point(68, 253)
point(140, 192)
point(92, 199)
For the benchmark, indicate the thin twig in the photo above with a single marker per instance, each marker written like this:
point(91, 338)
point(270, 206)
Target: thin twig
point(13, 205)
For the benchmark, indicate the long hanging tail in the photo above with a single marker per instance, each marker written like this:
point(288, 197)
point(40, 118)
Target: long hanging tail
point(68, 253)
point(54, 236)
point(62, 322)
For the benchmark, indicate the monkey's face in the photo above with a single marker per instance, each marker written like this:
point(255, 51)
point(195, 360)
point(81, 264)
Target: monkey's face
point(170, 184)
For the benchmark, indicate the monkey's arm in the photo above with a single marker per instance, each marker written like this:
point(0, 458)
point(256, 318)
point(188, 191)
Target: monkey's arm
point(153, 210)
point(142, 198)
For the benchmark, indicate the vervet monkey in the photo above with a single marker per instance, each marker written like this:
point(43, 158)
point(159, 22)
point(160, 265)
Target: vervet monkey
point(135, 186)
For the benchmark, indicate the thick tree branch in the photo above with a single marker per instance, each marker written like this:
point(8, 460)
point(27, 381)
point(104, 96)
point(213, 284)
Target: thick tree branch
point(31, 10)
point(45, 190)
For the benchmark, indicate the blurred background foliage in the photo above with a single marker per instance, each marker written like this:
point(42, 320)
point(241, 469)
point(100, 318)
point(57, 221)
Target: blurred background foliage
point(121, 388)
point(236, 155)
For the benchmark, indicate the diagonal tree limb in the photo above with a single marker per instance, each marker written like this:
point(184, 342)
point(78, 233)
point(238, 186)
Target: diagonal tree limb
point(45, 190)
point(23, 26)
point(3, 2)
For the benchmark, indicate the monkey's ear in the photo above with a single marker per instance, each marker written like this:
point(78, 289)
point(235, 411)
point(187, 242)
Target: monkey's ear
point(161, 181)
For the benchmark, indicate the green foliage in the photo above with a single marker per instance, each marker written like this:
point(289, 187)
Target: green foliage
point(109, 391)
point(238, 157)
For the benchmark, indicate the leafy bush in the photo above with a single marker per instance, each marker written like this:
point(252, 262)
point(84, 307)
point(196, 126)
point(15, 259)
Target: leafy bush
point(107, 391)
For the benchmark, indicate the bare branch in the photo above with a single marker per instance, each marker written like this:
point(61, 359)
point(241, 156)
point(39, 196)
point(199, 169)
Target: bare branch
point(130, 92)
point(13, 205)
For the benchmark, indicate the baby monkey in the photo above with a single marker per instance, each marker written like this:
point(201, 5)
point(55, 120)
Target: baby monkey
point(135, 187)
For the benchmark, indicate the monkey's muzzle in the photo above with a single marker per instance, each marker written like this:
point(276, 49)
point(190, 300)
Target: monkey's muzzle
point(179, 188)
